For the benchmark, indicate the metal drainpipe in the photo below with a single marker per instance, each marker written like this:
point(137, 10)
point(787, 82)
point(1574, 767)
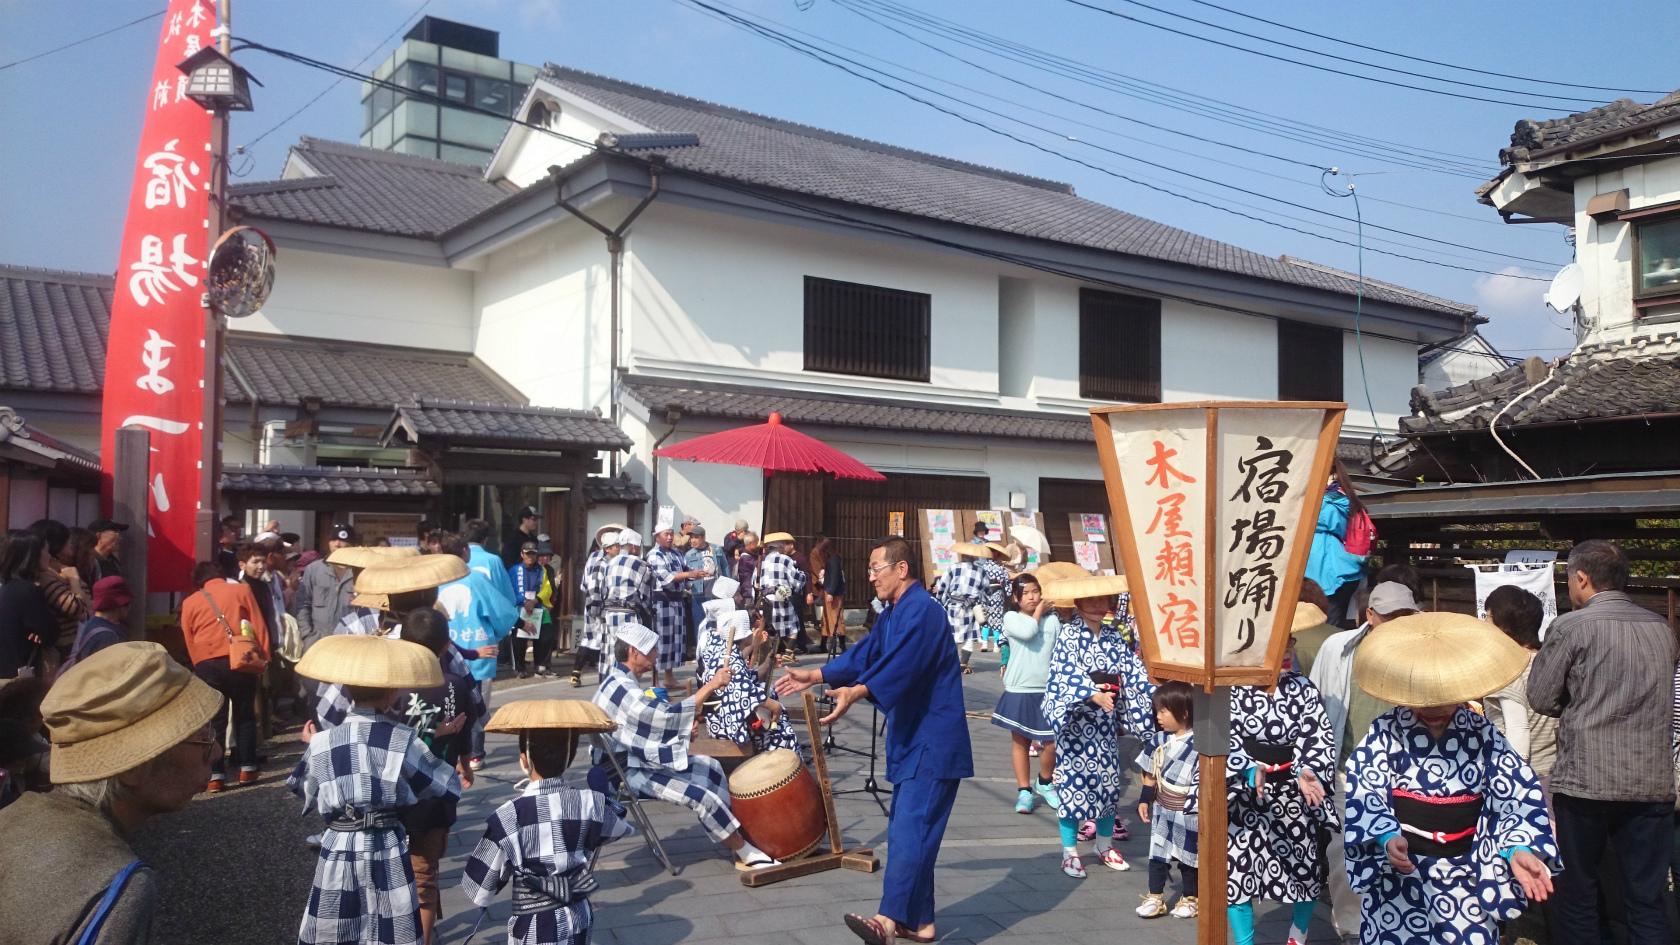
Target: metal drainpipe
point(673, 413)
point(615, 266)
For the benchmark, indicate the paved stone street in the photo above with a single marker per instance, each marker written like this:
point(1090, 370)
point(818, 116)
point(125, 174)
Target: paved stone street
point(236, 870)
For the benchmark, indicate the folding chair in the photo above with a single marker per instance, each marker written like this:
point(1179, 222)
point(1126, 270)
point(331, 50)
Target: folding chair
point(604, 746)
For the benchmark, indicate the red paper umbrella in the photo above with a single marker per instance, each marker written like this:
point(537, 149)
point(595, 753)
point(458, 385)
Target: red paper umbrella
point(772, 447)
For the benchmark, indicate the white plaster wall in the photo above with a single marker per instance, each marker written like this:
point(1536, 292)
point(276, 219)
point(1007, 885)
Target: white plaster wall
point(1457, 367)
point(1207, 354)
point(1391, 367)
point(347, 298)
point(543, 311)
point(1605, 248)
point(716, 295)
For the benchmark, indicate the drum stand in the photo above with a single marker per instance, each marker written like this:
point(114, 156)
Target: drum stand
point(861, 859)
point(871, 786)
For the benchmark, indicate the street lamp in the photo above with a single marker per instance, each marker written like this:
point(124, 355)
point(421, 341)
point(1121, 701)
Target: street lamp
point(216, 82)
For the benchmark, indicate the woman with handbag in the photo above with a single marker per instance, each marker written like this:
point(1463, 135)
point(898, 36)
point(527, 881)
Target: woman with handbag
point(227, 638)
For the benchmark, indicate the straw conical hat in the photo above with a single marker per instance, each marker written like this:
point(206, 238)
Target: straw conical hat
point(998, 547)
point(361, 556)
point(609, 527)
point(1054, 571)
point(375, 662)
point(1069, 589)
point(1436, 658)
point(575, 715)
point(1307, 616)
point(971, 550)
point(401, 575)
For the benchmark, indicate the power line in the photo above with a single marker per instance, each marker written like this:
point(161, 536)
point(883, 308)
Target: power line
point(335, 83)
point(77, 42)
point(1311, 65)
point(1214, 109)
point(768, 195)
point(840, 62)
point(1432, 62)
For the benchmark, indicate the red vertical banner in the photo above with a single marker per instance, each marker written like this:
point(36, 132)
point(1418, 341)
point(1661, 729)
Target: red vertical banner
point(154, 371)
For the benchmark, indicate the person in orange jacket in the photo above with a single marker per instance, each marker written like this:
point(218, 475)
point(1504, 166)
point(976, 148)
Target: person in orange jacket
point(210, 619)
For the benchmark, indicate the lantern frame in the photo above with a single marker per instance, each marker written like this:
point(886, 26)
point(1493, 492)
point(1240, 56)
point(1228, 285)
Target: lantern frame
point(1211, 674)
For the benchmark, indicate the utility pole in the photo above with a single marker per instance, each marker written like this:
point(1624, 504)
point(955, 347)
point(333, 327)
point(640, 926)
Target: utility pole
point(210, 450)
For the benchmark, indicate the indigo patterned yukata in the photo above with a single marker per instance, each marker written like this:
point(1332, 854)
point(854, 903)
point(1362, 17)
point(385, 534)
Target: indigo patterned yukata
point(1087, 775)
point(655, 734)
point(332, 705)
point(594, 588)
point(779, 581)
point(732, 720)
point(668, 607)
point(548, 830)
point(628, 599)
point(961, 590)
point(1172, 823)
point(364, 886)
point(997, 592)
point(1274, 838)
point(1447, 900)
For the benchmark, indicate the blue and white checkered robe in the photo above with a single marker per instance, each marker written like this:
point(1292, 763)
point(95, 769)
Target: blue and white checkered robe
point(669, 610)
point(655, 735)
point(1446, 900)
point(332, 705)
point(594, 588)
point(629, 584)
point(744, 694)
point(1172, 833)
point(780, 581)
point(1087, 775)
point(549, 830)
point(997, 594)
point(364, 888)
point(959, 591)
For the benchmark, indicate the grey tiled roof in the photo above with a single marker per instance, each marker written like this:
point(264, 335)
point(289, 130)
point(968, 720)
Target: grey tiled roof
point(52, 338)
point(367, 189)
point(247, 478)
point(496, 425)
point(614, 489)
point(701, 399)
point(286, 370)
point(52, 329)
point(1622, 115)
point(753, 149)
point(1627, 380)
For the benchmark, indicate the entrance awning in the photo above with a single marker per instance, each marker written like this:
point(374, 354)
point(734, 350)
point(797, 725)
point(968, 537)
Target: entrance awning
point(328, 488)
point(1637, 495)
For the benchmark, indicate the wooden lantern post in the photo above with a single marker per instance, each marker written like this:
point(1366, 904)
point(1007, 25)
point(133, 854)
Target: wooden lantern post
point(1214, 506)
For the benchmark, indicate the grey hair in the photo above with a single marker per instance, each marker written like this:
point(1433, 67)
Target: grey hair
point(621, 651)
point(102, 795)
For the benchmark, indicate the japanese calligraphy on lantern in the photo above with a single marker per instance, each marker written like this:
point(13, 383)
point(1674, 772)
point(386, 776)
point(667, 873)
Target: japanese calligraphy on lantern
point(154, 364)
point(1214, 505)
point(1264, 465)
point(1163, 470)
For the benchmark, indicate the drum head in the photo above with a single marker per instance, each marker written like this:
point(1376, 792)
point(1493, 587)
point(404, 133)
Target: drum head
point(763, 773)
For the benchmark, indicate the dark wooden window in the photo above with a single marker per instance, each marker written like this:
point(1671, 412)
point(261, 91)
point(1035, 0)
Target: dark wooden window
point(866, 330)
point(1309, 362)
point(1119, 347)
point(1656, 257)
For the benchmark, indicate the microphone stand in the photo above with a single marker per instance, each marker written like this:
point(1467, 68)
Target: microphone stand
point(871, 786)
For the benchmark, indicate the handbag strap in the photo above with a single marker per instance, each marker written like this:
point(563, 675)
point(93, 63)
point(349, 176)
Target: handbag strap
point(90, 935)
point(217, 610)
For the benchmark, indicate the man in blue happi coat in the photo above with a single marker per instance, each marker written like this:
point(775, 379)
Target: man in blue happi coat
point(908, 668)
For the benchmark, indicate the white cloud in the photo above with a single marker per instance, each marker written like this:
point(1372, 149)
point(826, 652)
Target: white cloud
point(1519, 322)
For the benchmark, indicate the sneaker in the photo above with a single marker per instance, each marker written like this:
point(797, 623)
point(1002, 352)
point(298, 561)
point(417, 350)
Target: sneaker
point(247, 777)
point(577, 680)
point(1048, 792)
point(544, 671)
point(1120, 831)
point(1087, 830)
point(214, 787)
point(1032, 749)
point(1112, 859)
point(1154, 906)
point(1024, 802)
point(1073, 866)
point(1186, 908)
point(476, 764)
point(313, 841)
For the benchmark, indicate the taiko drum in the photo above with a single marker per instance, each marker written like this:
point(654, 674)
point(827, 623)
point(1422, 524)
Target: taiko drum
point(778, 804)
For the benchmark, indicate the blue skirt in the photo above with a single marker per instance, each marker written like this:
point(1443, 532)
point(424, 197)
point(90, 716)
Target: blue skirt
point(1023, 712)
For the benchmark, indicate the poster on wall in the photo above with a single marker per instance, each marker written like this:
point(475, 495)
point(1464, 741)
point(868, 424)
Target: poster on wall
point(1093, 527)
point(939, 539)
point(394, 527)
point(1088, 555)
point(993, 520)
point(895, 524)
point(1536, 577)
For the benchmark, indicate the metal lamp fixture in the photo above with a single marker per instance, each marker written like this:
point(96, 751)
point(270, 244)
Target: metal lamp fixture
point(217, 82)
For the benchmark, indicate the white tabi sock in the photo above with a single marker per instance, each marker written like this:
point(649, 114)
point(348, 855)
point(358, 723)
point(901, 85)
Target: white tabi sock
point(751, 854)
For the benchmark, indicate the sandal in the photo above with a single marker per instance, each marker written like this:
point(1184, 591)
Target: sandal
point(968, 670)
point(916, 938)
point(866, 928)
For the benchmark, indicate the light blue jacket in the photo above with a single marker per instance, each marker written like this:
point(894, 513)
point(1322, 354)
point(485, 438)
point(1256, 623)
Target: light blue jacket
point(1329, 563)
point(479, 615)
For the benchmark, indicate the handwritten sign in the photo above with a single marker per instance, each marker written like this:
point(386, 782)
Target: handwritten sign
point(1214, 505)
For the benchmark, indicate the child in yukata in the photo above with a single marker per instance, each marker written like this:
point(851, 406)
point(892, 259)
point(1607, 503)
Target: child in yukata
point(1169, 805)
point(543, 841)
point(363, 775)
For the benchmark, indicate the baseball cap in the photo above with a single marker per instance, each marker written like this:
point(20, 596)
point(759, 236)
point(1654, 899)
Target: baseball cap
point(111, 592)
point(1391, 597)
point(698, 530)
point(106, 525)
point(342, 533)
point(527, 546)
point(528, 511)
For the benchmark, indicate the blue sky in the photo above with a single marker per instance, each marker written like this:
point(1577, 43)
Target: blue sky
point(72, 119)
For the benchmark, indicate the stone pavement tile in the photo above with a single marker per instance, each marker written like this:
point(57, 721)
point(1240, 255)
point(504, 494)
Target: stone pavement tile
point(769, 920)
